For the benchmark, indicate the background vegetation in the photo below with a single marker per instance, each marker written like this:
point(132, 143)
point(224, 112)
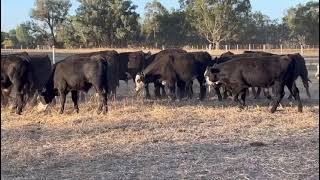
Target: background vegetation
point(115, 23)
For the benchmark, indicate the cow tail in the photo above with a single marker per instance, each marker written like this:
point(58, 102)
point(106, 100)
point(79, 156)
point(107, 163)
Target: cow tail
point(305, 79)
point(104, 64)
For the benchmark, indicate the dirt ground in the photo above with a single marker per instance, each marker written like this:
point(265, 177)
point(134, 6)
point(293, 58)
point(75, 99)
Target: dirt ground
point(159, 139)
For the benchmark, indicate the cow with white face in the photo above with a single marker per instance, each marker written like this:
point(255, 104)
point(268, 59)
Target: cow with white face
point(317, 73)
point(209, 83)
point(139, 81)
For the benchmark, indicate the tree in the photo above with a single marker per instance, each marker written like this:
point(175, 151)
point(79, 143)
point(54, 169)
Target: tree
point(217, 20)
point(23, 35)
point(13, 38)
point(303, 21)
point(50, 13)
point(109, 22)
point(4, 36)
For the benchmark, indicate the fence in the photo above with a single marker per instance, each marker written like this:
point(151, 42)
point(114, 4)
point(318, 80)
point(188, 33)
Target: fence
point(306, 50)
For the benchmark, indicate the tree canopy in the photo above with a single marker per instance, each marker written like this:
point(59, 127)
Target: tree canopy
point(115, 23)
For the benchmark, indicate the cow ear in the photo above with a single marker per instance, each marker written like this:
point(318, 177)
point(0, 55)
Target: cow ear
point(214, 70)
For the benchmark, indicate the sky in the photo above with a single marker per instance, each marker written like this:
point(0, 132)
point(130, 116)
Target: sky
point(15, 12)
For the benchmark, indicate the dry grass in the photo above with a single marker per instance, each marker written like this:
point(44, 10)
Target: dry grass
point(162, 140)
point(307, 52)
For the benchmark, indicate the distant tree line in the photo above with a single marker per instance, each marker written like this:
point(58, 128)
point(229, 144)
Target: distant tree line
point(115, 23)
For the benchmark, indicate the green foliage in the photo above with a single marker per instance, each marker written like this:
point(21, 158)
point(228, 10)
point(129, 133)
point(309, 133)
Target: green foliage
point(7, 43)
point(50, 14)
point(115, 23)
point(107, 23)
point(217, 20)
point(303, 21)
point(4, 35)
point(23, 35)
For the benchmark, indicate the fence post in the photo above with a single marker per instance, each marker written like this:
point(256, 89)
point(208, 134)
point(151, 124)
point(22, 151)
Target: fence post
point(226, 46)
point(301, 49)
point(249, 47)
point(53, 58)
point(237, 47)
point(280, 48)
point(264, 47)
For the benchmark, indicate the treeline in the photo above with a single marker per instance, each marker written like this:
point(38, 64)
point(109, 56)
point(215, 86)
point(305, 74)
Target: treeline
point(115, 23)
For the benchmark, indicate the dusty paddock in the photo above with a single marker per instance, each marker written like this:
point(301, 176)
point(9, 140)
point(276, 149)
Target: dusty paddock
point(164, 140)
point(143, 139)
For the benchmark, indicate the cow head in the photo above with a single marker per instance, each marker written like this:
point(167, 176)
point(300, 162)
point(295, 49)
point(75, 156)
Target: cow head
point(48, 95)
point(139, 81)
point(212, 76)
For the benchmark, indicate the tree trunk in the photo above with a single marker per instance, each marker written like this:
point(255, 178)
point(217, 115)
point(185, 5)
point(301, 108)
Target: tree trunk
point(52, 34)
point(217, 45)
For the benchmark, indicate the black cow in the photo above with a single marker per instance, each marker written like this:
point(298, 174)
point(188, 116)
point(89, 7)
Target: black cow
point(112, 58)
point(14, 74)
point(39, 73)
point(78, 73)
point(171, 68)
point(241, 73)
point(205, 60)
point(145, 63)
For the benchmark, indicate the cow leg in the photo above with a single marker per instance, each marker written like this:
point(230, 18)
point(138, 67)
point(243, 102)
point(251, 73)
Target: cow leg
point(225, 93)
point(243, 97)
point(63, 95)
point(267, 93)
point(172, 91)
point(4, 99)
point(33, 98)
point(306, 85)
point(103, 102)
point(164, 94)
point(156, 90)
point(279, 93)
point(256, 93)
point(189, 90)
point(74, 97)
point(203, 88)
point(295, 92)
point(217, 90)
point(181, 89)
point(147, 96)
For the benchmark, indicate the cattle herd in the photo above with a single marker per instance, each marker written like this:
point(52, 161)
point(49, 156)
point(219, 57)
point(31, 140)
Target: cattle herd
point(33, 78)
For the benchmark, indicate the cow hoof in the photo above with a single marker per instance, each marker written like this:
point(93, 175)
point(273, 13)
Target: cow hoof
point(273, 110)
point(300, 110)
point(60, 112)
